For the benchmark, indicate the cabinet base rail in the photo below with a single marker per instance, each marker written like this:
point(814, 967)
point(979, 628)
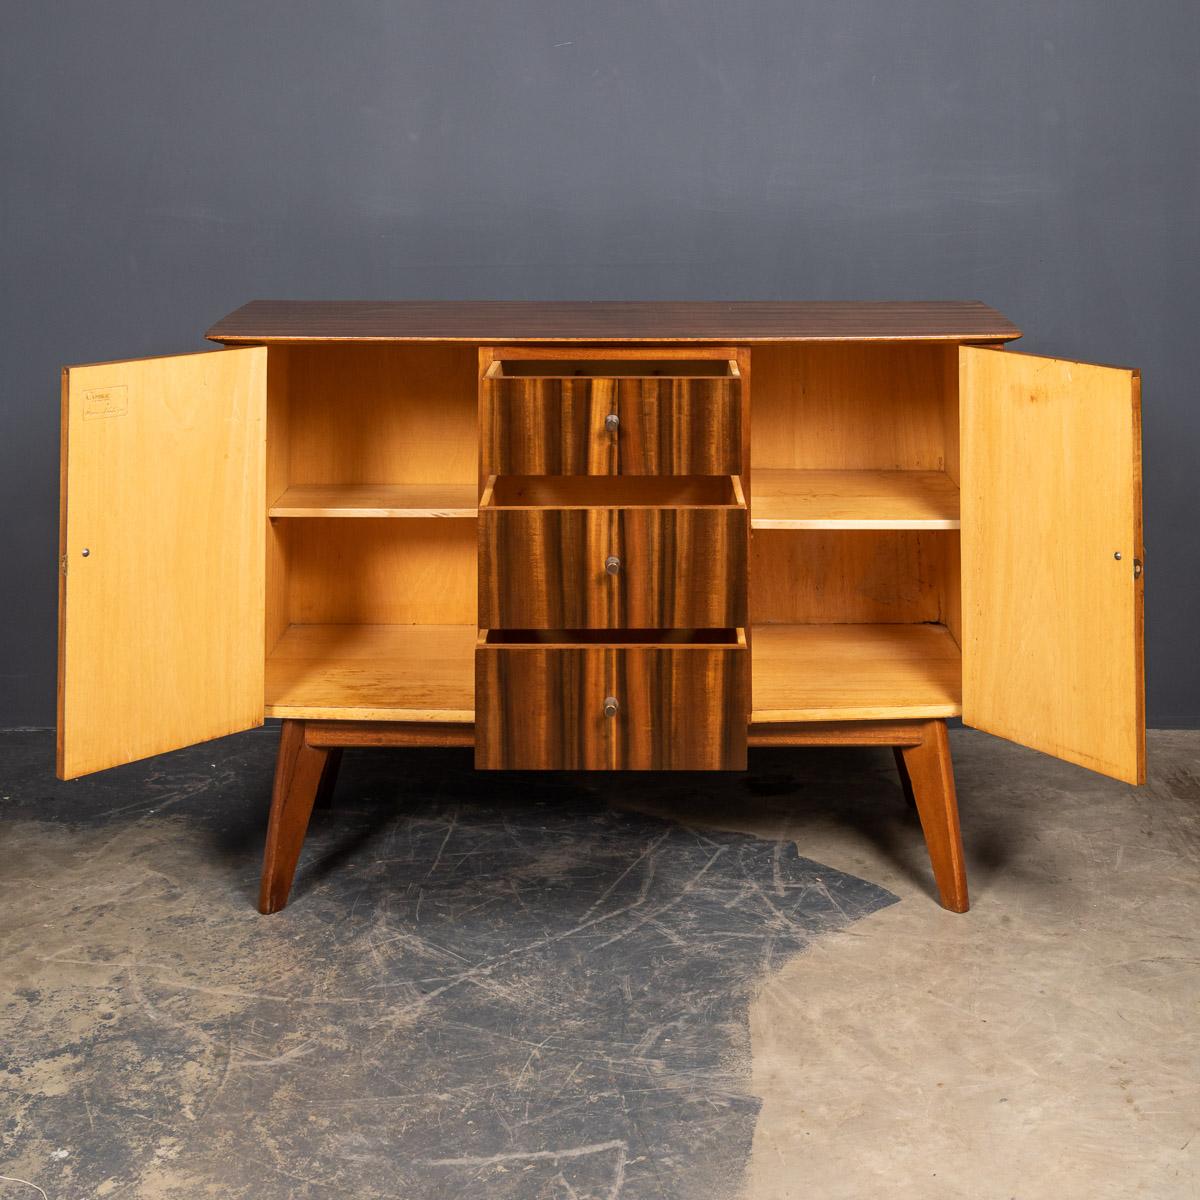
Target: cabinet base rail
point(310, 754)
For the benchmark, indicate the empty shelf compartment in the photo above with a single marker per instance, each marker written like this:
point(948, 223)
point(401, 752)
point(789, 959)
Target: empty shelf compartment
point(803, 499)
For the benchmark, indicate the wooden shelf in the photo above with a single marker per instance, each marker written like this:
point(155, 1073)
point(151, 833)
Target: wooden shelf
point(854, 672)
point(787, 499)
point(378, 500)
point(373, 673)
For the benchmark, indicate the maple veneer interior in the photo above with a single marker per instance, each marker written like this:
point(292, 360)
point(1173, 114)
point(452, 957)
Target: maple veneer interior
point(371, 618)
point(852, 494)
point(854, 577)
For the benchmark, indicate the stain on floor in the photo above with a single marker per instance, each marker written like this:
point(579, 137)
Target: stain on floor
point(485, 985)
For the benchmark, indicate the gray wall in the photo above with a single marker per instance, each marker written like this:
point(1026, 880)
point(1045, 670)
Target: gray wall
point(162, 163)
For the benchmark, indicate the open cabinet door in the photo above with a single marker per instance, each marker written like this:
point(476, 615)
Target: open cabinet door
point(161, 569)
point(1052, 557)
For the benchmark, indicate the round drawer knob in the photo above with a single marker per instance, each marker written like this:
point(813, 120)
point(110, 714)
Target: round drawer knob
point(612, 564)
point(612, 422)
point(611, 706)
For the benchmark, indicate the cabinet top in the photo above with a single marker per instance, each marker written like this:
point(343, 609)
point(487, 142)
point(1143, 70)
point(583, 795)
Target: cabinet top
point(483, 321)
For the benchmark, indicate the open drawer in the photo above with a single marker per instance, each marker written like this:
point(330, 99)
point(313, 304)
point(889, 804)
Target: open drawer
point(640, 700)
point(578, 552)
point(611, 417)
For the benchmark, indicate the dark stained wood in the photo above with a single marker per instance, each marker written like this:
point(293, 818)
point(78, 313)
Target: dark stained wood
point(905, 780)
point(557, 427)
point(612, 321)
point(679, 426)
point(679, 708)
point(542, 568)
point(932, 778)
point(547, 427)
point(839, 733)
point(388, 733)
point(922, 752)
point(298, 771)
point(329, 775)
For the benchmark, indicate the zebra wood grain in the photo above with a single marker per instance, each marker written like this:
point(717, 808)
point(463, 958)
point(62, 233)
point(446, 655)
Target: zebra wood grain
point(545, 568)
point(556, 426)
point(547, 427)
point(681, 708)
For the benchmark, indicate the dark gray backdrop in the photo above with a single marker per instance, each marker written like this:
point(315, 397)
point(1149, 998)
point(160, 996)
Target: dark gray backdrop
point(161, 163)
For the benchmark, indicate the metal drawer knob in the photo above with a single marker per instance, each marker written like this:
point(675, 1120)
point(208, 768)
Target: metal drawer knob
point(611, 706)
point(612, 564)
point(612, 422)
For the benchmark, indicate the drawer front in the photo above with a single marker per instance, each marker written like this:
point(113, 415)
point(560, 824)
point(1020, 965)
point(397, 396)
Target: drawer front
point(679, 426)
point(548, 427)
point(680, 708)
point(551, 569)
point(611, 427)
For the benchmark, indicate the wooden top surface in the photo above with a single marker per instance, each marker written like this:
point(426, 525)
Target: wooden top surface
point(612, 321)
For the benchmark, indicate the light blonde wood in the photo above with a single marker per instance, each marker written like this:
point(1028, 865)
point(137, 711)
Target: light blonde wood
point(162, 622)
point(853, 672)
point(851, 407)
point(373, 673)
point(377, 500)
point(950, 421)
point(951, 594)
point(371, 430)
point(855, 576)
point(275, 533)
point(381, 572)
point(379, 413)
point(1052, 619)
point(791, 499)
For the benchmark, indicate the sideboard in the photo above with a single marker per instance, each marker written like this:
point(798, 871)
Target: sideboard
point(602, 536)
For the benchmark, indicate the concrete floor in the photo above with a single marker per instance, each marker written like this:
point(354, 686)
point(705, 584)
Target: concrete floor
point(582, 987)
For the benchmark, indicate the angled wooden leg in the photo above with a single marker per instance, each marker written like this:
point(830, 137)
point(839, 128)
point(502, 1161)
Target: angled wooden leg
point(329, 776)
point(931, 776)
point(298, 772)
point(905, 781)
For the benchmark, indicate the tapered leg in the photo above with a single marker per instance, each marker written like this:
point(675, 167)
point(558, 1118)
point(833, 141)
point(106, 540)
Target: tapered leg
point(328, 778)
point(931, 777)
point(905, 781)
point(298, 774)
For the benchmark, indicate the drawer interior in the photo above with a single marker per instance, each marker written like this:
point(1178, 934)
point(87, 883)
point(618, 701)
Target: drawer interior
point(567, 368)
point(612, 637)
point(605, 491)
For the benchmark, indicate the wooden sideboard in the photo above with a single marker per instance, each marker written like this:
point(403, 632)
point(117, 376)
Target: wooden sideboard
point(602, 536)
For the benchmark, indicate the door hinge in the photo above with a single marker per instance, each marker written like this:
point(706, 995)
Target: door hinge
point(62, 562)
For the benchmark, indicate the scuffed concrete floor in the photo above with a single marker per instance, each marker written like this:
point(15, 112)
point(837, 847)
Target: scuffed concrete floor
point(581, 987)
